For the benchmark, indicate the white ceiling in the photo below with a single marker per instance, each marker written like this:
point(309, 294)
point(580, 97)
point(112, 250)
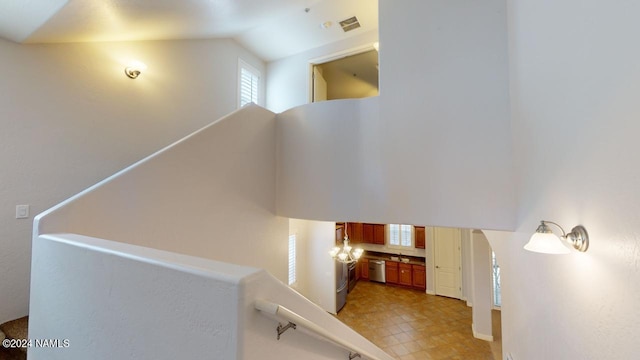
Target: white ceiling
point(270, 28)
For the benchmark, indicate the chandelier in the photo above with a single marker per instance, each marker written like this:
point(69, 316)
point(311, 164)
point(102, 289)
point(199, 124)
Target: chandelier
point(344, 253)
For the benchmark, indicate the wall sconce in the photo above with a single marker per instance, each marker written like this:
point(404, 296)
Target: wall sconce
point(134, 69)
point(545, 241)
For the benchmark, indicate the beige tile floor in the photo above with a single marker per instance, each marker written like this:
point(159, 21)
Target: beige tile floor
point(409, 324)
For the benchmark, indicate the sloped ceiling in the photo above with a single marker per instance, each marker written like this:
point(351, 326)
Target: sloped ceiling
point(270, 28)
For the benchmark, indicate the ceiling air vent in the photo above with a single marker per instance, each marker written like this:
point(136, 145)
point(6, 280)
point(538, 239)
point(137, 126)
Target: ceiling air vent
point(350, 24)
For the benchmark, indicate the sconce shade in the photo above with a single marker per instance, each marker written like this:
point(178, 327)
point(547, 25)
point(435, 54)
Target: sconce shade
point(546, 243)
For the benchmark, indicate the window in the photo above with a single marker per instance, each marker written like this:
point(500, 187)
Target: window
point(248, 84)
point(292, 259)
point(497, 294)
point(400, 235)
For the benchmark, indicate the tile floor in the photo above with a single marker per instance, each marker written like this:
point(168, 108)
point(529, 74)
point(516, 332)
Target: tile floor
point(409, 324)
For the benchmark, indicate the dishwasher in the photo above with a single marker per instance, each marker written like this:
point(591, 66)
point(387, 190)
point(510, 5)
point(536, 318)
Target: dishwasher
point(377, 271)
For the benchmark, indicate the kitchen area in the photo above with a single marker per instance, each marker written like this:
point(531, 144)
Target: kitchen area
point(420, 259)
point(402, 270)
point(393, 255)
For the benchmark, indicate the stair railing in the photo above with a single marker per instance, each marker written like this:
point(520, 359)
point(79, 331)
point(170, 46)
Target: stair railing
point(296, 321)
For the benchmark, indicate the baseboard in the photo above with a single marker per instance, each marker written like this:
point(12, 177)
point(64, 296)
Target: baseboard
point(469, 304)
point(431, 292)
point(477, 335)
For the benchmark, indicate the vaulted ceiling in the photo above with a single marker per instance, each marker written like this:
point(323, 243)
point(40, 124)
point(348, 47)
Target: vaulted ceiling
point(272, 29)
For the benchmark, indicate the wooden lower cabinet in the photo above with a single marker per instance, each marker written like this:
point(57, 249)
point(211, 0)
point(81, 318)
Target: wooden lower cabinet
point(419, 280)
point(398, 273)
point(391, 272)
point(364, 269)
point(405, 276)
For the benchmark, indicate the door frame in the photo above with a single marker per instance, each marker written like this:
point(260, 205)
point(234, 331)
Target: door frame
point(331, 57)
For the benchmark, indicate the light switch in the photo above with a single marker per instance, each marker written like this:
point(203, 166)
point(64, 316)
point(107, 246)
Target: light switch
point(22, 211)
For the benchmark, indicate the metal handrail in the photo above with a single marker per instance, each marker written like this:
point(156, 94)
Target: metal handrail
point(296, 321)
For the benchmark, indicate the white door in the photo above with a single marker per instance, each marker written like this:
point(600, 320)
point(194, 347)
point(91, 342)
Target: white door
point(319, 86)
point(447, 262)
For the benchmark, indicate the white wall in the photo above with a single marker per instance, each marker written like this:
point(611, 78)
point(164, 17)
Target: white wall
point(430, 259)
point(445, 96)
point(289, 79)
point(70, 117)
point(113, 300)
point(209, 195)
point(444, 92)
point(116, 300)
point(331, 154)
point(481, 286)
point(575, 82)
point(316, 269)
point(465, 260)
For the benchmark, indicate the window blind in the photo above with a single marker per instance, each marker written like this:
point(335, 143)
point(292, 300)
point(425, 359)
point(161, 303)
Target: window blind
point(292, 259)
point(400, 235)
point(249, 84)
point(394, 234)
point(405, 235)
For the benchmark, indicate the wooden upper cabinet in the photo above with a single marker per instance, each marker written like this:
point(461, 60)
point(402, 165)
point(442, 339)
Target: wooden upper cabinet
point(378, 234)
point(405, 276)
point(367, 233)
point(355, 232)
point(373, 234)
point(339, 233)
point(420, 237)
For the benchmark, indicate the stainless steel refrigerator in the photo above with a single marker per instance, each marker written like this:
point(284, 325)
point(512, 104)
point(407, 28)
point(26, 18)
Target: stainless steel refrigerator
point(342, 285)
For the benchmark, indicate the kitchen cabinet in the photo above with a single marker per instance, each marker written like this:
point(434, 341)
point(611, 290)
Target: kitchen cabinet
point(405, 274)
point(358, 271)
point(355, 232)
point(378, 234)
point(411, 275)
point(391, 272)
point(364, 269)
point(419, 277)
point(373, 234)
point(420, 237)
point(367, 233)
point(339, 233)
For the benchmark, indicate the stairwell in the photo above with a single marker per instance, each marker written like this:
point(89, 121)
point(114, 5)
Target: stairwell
point(129, 273)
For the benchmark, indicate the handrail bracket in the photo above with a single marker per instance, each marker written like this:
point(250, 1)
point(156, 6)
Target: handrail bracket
point(354, 355)
point(281, 329)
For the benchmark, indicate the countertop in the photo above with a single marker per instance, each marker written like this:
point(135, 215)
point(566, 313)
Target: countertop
point(413, 260)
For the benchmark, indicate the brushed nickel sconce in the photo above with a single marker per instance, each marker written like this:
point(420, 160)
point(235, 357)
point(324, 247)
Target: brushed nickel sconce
point(545, 241)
